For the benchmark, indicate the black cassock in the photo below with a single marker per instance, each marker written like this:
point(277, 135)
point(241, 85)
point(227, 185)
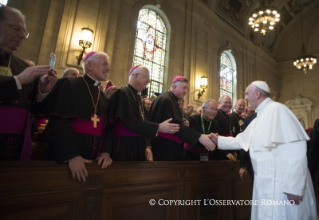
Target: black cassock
point(237, 122)
point(131, 133)
point(10, 96)
point(70, 100)
point(164, 107)
point(227, 129)
point(195, 123)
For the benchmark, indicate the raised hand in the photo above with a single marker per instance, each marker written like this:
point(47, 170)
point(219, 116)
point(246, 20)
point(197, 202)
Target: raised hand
point(31, 73)
point(48, 81)
point(166, 127)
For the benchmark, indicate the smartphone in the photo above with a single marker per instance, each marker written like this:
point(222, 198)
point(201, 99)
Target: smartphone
point(52, 61)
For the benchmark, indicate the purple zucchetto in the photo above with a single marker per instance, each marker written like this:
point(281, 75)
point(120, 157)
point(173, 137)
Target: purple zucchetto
point(88, 55)
point(178, 78)
point(111, 87)
point(133, 68)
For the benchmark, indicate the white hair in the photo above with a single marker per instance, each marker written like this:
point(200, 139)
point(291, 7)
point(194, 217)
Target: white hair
point(206, 103)
point(94, 58)
point(130, 79)
point(66, 71)
point(4, 10)
point(222, 97)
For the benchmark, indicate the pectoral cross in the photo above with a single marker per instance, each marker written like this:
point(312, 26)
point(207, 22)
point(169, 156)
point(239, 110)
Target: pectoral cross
point(95, 119)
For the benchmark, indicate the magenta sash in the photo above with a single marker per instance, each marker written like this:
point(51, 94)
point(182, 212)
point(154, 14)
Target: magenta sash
point(195, 150)
point(227, 135)
point(122, 131)
point(172, 137)
point(41, 121)
point(86, 127)
point(17, 121)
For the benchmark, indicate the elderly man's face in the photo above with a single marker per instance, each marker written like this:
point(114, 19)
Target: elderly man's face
point(181, 103)
point(210, 111)
point(250, 111)
point(240, 106)
point(72, 73)
point(180, 89)
point(143, 78)
point(251, 96)
point(225, 104)
point(147, 105)
point(243, 115)
point(12, 33)
point(99, 67)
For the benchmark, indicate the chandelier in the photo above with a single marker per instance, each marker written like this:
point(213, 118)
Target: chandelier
point(304, 62)
point(264, 18)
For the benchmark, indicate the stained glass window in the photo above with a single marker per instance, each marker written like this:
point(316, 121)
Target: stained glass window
point(226, 76)
point(150, 47)
point(3, 2)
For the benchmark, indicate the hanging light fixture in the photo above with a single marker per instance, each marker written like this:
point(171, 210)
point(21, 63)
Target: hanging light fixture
point(304, 62)
point(264, 18)
point(85, 42)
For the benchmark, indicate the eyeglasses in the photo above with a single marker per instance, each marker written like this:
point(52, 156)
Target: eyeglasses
point(147, 76)
point(18, 29)
point(211, 109)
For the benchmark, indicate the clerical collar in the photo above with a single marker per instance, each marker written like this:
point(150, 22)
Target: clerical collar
point(225, 113)
point(96, 82)
point(176, 99)
point(132, 89)
point(4, 57)
point(261, 106)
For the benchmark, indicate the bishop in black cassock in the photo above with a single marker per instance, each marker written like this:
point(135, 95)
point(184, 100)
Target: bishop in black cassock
point(205, 124)
point(170, 147)
point(20, 88)
point(226, 123)
point(77, 129)
point(132, 133)
point(236, 118)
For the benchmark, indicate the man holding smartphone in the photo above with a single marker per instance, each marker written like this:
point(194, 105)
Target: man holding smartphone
point(20, 87)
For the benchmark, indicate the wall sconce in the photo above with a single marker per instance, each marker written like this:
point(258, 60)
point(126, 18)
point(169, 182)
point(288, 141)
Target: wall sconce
point(203, 86)
point(85, 42)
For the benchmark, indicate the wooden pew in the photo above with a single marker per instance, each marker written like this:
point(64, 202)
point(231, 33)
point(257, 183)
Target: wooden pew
point(46, 190)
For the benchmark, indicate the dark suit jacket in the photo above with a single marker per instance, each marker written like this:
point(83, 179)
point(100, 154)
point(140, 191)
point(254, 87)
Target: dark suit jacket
point(243, 155)
point(313, 152)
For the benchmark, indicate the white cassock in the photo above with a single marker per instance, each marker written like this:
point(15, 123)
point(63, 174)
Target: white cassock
point(277, 143)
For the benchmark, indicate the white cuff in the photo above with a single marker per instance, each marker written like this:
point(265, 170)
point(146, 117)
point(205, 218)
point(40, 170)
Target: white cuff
point(42, 96)
point(19, 87)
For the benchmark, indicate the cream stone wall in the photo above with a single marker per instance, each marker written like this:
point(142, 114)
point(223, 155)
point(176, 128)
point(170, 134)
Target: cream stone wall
point(196, 38)
point(294, 82)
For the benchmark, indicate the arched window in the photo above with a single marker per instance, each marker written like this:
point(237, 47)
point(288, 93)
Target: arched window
point(150, 47)
point(3, 2)
point(227, 75)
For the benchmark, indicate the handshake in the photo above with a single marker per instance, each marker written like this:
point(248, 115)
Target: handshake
point(209, 141)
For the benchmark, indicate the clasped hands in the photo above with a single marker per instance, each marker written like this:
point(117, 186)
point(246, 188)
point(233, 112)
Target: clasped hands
point(209, 141)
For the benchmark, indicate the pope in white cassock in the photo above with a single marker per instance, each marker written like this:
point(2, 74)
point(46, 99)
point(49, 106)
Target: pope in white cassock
point(277, 144)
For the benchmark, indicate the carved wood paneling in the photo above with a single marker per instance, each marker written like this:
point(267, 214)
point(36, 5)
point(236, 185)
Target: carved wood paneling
point(125, 190)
